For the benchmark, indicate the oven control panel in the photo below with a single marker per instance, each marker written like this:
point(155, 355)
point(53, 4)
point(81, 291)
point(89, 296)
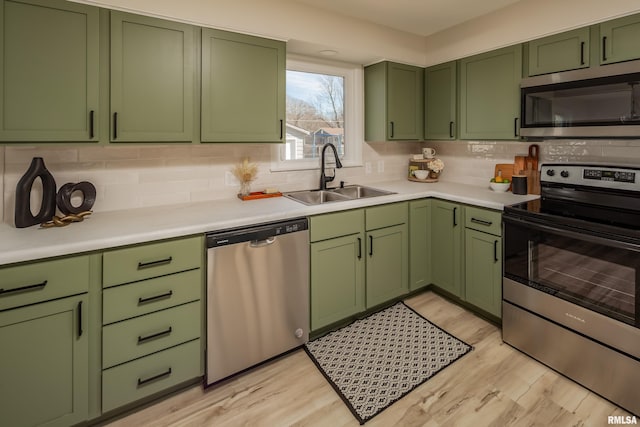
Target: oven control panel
point(609, 175)
point(591, 175)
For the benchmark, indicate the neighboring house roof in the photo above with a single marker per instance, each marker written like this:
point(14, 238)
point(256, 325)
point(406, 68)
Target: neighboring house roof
point(330, 131)
point(296, 130)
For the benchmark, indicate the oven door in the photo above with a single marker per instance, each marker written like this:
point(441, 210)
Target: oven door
point(598, 273)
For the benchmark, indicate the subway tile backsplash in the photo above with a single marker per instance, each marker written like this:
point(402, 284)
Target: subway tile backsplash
point(133, 176)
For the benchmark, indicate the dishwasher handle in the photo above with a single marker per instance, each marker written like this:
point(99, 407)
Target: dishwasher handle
point(262, 242)
point(257, 235)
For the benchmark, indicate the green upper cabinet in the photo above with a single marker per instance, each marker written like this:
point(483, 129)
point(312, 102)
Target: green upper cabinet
point(440, 101)
point(560, 52)
point(152, 79)
point(619, 39)
point(49, 56)
point(243, 88)
point(394, 102)
point(446, 246)
point(490, 94)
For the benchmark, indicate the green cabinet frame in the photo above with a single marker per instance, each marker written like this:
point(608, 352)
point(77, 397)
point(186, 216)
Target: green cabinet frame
point(619, 39)
point(243, 88)
point(394, 102)
point(152, 79)
point(44, 363)
point(419, 244)
point(49, 71)
point(490, 94)
point(560, 52)
point(440, 101)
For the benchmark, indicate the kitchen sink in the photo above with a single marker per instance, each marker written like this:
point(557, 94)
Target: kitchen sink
point(350, 192)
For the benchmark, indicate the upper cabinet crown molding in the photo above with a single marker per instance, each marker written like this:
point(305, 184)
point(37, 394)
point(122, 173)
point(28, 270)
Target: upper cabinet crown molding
point(49, 71)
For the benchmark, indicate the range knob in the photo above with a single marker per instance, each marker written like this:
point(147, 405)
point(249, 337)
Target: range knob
point(551, 172)
point(564, 174)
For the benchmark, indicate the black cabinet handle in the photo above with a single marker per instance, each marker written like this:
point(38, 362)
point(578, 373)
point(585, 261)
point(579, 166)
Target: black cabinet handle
point(370, 245)
point(359, 248)
point(142, 339)
point(455, 223)
point(581, 53)
point(35, 287)
point(392, 130)
point(157, 263)
point(450, 129)
point(495, 251)
point(115, 125)
point(80, 331)
point(91, 133)
point(145, 300)
point(515, 127)
point(481, 221)
point(604, 48)
point(281, 128)
point(153, 378)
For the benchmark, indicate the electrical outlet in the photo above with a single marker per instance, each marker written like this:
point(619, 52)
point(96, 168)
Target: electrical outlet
point(380, 166)
point(367, 168)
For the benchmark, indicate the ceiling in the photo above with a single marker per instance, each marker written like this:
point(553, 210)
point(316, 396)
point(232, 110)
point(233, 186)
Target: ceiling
point(421, 17)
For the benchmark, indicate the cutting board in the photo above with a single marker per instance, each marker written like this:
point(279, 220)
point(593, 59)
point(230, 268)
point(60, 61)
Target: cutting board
point(505, 170)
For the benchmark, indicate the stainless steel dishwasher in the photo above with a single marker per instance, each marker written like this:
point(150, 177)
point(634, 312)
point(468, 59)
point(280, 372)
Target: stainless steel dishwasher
point(257, 295)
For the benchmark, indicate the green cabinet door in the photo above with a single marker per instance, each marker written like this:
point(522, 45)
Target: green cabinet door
point(560, 52)
point(394, 102)
point(419, 244)
point(440, 101)
point(49, 60)
point(243, 88)
point(337, 279)
point(446, 246)
point(490, 94)
point(483, 282)
point(619, 39)
point(387, 264)
point(152, 79)
point(44, 364)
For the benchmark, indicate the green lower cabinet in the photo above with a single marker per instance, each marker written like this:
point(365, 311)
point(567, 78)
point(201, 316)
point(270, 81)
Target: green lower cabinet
point(483, 259)
point(337, 279)
point(419, 244)
point(44, 364)
point(446, 246)
point(387, 264)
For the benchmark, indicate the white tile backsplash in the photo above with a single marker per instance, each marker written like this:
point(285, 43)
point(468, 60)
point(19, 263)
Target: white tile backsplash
point(132, 176)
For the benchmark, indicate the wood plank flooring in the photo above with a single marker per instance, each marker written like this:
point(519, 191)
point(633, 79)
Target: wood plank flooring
point(494, 385)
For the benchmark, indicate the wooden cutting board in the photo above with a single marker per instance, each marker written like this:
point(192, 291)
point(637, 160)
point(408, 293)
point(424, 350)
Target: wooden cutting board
point(505, 170)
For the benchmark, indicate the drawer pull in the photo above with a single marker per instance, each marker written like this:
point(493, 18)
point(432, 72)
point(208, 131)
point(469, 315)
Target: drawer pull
point(37, 286)
point(142, 339)
point(157, 263)
point(481, 221)
point(145, 300)
point(154, 378)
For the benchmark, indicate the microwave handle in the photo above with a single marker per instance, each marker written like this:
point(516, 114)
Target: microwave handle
point(585, 237)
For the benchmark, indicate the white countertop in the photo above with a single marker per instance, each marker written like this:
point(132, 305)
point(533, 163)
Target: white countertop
point(117, 228)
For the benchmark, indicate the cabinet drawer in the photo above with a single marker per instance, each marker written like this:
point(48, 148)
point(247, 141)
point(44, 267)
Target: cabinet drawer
point(483, 220)
point(151, 260)
point(144, 335)
point(42, 281)
point(337, 224)
point(147, 296)
point(386, 216)
point(144, 377)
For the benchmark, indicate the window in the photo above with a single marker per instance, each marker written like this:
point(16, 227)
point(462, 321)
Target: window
point(322, 107)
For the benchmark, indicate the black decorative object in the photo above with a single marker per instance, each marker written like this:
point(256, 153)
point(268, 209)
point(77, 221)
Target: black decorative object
point(64, 197)
point(24, 217)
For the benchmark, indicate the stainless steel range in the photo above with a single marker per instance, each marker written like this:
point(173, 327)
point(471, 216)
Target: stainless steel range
point(571, 287)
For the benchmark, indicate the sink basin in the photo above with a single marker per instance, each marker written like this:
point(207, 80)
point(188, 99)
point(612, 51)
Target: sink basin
point(350, 192)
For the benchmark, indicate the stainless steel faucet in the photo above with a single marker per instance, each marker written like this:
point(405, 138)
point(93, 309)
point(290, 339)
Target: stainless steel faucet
point(323, 178)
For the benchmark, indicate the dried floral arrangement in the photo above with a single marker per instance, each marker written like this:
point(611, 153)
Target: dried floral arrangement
point(245, 172)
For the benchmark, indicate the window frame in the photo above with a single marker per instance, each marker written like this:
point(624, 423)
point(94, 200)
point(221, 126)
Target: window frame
point(353, 76)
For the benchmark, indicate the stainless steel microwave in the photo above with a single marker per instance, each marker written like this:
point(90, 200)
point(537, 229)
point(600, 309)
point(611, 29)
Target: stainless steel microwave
point(594, 102)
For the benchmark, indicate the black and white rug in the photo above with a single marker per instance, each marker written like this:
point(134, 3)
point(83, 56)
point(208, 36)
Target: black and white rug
point(375, 361)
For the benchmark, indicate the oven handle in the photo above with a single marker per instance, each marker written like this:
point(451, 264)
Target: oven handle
point(574, 234)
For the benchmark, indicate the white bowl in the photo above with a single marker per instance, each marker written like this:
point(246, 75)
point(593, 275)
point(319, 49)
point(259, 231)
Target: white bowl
point(421, 174)
point(500, 187)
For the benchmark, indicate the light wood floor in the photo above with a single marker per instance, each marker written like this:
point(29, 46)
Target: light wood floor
point(494, 385)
